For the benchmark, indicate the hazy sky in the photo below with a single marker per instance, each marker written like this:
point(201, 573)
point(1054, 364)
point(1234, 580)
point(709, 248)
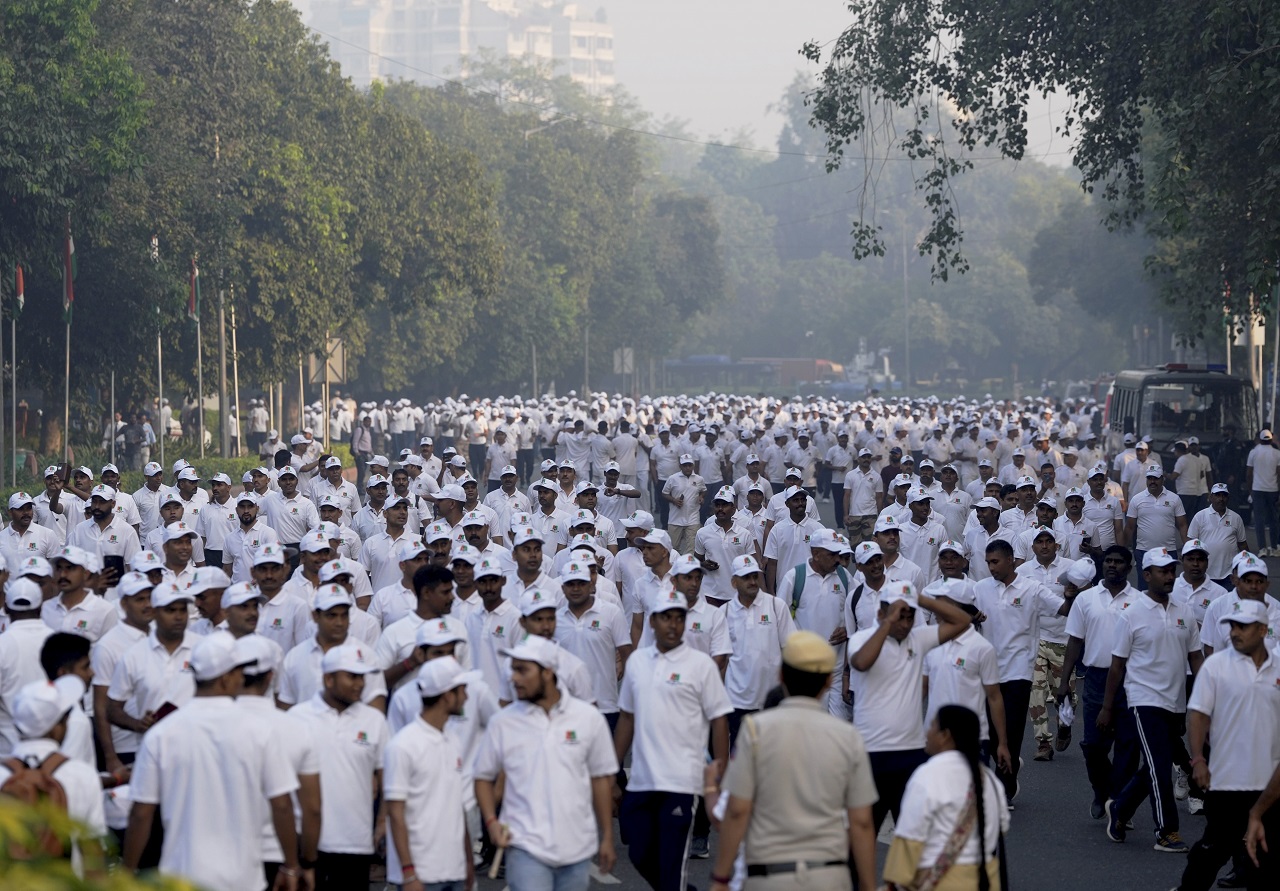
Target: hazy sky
point(721, 63)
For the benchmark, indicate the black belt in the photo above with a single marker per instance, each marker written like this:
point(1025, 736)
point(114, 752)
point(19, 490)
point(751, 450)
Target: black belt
point(772, 869)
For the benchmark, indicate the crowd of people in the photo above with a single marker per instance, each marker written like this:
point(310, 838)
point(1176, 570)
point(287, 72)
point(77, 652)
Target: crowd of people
point(522, 618)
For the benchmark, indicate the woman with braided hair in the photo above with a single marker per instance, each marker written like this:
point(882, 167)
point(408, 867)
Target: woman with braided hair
point(949, 837)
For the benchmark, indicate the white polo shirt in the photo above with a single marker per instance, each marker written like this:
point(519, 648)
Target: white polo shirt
point(862, 488)
point(1222, 535)
point(1093, 618)
point(350, 746)
point(550, 759)
point(822, 599)
point(423, 768)
point(301, 676)
point(887, 697)
point(215, 521)
point(299, 748)
point(1198, 598)
point(148, 675)
point(290, 517)
point(757, 633)
point(20, 647)
point(594, 637)
point(959, 671)
point(91, 617)
point(283, 619)
point(1214, 633)
point(490, 632)
point(704, 629)
point(1243, 702)
point(37, 541)
point(1156, 640)
point(1013, 614)
point(919, 544)
point(211, 769)
point(399, 639)
point(788, 543)
point(240, 547)
point(722, 545)
point(1156, 519)
point(674, 696)
point(79, 781)
point(1053, 628)
point(104, 658)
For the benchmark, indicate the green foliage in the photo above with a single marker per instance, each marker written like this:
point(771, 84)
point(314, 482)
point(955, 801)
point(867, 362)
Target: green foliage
point(1171, 104)
point(22, 825)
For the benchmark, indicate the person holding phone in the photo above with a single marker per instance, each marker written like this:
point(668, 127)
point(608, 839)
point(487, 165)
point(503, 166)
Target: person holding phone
point(107, 534)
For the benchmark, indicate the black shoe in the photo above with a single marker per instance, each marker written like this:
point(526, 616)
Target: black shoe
point(1096, 810)
point(1115, 828)
point(1232, 879)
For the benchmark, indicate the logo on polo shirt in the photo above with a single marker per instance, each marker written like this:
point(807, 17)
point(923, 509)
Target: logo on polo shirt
point(362, 738)
point(1205, 602)
point(1017, 601)
point(674, 679)
point(186, 666)
point(82, 625)
point(697, 628)
point(499, 631)
point(1182, 623)
point(571, 737)
point(293, 510)
point(960, 664)
point(277, 623)
point(113, 539)
point(595, 624)
point(764, 619)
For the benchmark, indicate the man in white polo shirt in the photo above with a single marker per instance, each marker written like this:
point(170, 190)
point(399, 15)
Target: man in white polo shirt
point(425, 788)
point(207, 772)
point(1013, 606)
point(1193, 585)
point(118, 744)
point(1252, 580)
point(1237, 697)
point(786, 544)
point(672, 697)
point(153, 676)
point(718, 543)
point(77, 609)
point(23, 537)
point(288, 511)
point(350, 738)
point(1155, 519)
point(1222, 532)
point(1090, 633)
point(302, 674)
point(283, 617)
point(240, 546)
point(596, 632)
point(20, 647)
point(559, 768)
point(887, 678)
point(815, 592)
point(759, 625)
point(1156, 641)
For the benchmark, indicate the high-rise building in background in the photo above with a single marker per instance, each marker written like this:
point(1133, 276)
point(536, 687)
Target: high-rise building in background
point(372, 36)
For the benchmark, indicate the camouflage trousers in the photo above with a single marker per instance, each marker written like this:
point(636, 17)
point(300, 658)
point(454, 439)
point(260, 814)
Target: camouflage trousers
point(1045, 677)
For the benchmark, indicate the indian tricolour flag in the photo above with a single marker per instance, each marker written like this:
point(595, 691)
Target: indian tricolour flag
point(19, 294)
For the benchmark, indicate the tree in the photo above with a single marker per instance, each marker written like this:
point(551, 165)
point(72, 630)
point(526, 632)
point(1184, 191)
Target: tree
point(1171, 108)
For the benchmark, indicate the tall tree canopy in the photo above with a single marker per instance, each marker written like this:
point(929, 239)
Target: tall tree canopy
point(1172, 111)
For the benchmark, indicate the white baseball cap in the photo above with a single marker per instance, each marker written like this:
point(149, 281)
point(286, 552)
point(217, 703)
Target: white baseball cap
point(453, 492)
point(132, 583)
point(640, 519)
point(329, 595)
point(216, 655)
point(534, 649)
point(887, 523)
point(269, 553)
point(166, 593)
point(657, 537)
point(18, 499)
point(1245, 562)
point(439, 631)
point(576, 571)
point(866, 551)
point(145, 561)
point(465, 553)
point(259, 654)
point(487, 567)
point(335, 568)
point(42, 704)
point(179, 529)
point(76, 556)
point(353, 658)
point(536, 599)
point(1247, 612)
point(22, 594)
point(439, 676)
point(1159, 557)
point(314, 541)
point(892, 592)
point(241, 593)
point(408, 547)
point(668, 599)
point(743, 565)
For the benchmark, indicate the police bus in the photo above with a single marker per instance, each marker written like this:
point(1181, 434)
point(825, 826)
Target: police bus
point(1172, 402)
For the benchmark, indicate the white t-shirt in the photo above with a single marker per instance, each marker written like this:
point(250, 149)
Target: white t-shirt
point(424, 769)
point(1243, 703)
point(887, 697)
point(934, 801)
point(959, 671)
point(1156, 641)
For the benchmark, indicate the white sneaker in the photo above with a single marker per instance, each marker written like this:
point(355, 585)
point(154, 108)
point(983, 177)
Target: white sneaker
point(1181, 788)
point(1195, 805)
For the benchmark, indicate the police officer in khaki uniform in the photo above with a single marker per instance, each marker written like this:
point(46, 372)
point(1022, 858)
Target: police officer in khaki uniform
point(796, 774)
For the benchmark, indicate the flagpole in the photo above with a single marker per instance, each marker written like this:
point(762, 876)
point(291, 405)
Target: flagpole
point(15, 430)
point(13, 401)
point(235, 374)
point(66, 403)
point(159, 387)
point(200, 386)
